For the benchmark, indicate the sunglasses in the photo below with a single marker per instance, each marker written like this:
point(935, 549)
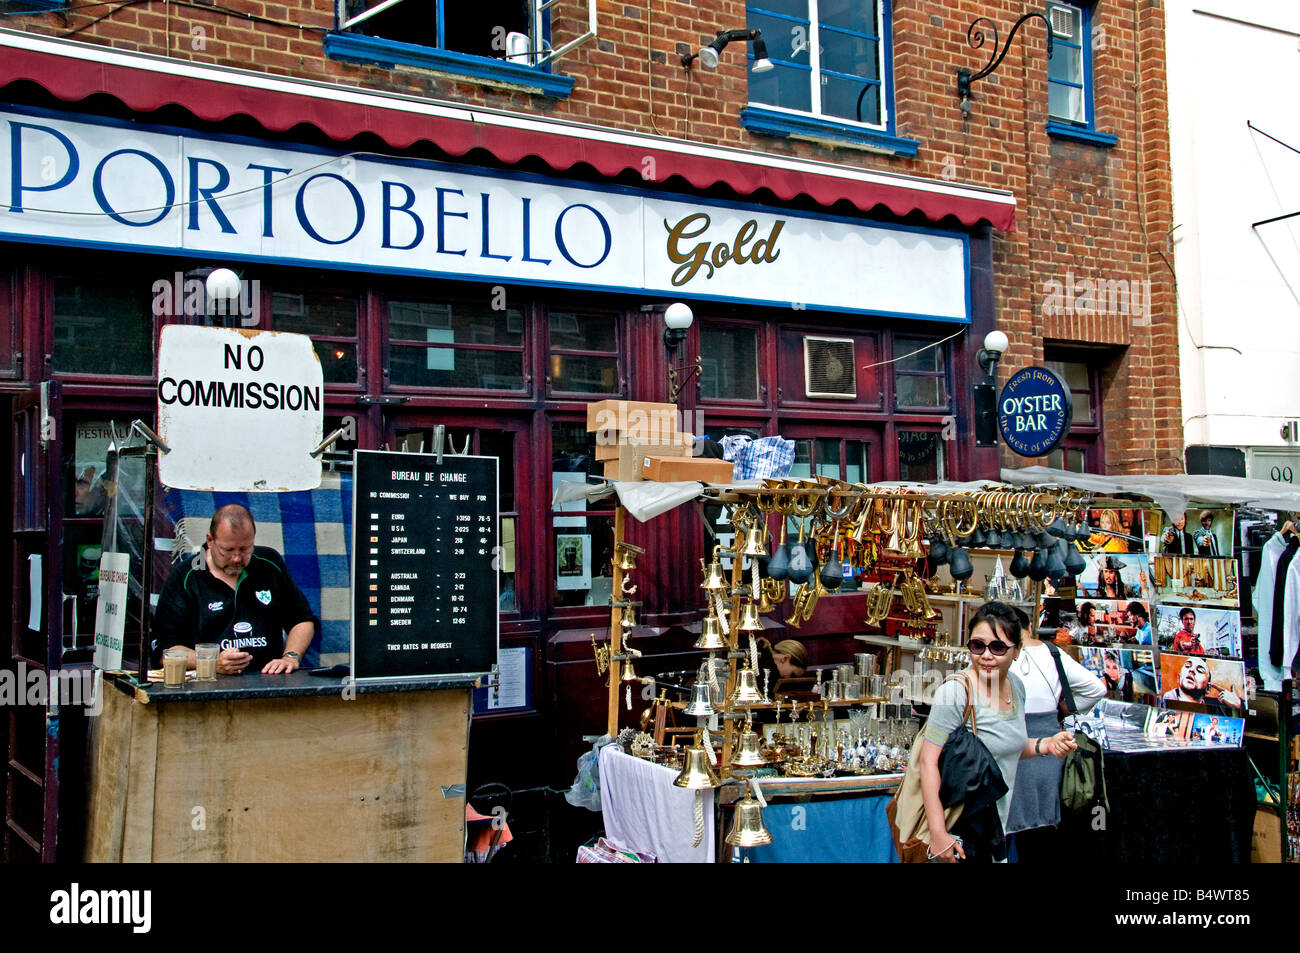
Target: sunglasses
point(977, 647)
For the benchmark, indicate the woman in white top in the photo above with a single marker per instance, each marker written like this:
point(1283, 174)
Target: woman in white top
point(1036, 796)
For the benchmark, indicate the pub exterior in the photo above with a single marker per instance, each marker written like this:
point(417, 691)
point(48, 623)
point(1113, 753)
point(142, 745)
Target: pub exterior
point(488, 242)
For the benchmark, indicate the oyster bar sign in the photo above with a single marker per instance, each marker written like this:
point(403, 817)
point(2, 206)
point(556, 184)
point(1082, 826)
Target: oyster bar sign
point(103, 183)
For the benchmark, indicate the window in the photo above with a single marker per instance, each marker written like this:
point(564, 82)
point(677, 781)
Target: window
point(920, 374)
point(102, 326)
point(920, 456)
point(729, 362)
point(581, 543)
point(831, 72)
point(497, 42)
point(1081, 450)
point(1069, 75)
point(457, 345)
point(330, 320)
point(584, 353)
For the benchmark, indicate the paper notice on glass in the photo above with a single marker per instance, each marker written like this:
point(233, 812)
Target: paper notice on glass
point(512, 680)
point(110, 611)
point(558, 477)
point(36, 576)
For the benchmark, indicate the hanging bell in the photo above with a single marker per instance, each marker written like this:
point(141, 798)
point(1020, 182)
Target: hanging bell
point(755, 544)
point(628, 622)
point(1019, 565)
point(747, 830)
point(959, 564)
point(749, 755)
point(746, 691)
point(629, 673)
point(626, 560)
point(697, 774)
point(715, 581)
point(711, 634)
point(750, 622)
point(700, 705)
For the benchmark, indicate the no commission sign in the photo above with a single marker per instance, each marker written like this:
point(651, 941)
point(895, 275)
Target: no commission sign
point(241, 410)
point(1034, 411)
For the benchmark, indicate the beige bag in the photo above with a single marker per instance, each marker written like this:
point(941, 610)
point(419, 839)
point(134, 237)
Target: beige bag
point(906, 809)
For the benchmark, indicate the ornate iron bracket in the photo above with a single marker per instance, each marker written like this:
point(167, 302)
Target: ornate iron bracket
point(975, 39)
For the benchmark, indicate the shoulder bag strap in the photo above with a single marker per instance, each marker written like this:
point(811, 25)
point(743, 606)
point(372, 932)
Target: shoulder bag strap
point(1067, 696)
point(968, 713)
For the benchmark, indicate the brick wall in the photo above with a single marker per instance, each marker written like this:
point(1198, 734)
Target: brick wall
point(1085, 213)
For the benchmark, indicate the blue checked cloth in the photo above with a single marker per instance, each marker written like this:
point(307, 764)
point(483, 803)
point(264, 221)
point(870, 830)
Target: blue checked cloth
point(312, 529)
point(758, 459)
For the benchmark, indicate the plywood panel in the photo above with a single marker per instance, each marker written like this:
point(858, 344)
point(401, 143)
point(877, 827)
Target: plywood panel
point(312, 779)
point(123, 758)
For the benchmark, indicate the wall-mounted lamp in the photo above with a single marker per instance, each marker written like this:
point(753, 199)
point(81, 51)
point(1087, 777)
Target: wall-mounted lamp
point(986, 392)
point(708, 55)
point(678, 318)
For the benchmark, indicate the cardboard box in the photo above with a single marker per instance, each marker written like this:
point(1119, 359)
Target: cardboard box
point(627, 466)
point(668, 448)
point(634, 417)
point(1266, 840)
point(666, 469)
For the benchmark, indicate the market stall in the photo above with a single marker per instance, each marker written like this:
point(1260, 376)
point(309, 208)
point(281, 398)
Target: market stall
point(1058, 546)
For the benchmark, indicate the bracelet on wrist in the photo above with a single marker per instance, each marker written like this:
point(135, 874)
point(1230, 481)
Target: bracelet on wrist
point(1038, 746)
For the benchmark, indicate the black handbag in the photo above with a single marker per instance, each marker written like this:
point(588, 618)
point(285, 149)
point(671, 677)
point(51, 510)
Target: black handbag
point(1083, 778)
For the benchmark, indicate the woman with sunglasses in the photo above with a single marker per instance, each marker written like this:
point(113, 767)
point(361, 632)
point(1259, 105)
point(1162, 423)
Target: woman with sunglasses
point(994, 637)
point(1036, 795)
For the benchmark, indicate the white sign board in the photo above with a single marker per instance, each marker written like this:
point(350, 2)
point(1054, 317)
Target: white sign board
point(110, 612)
point(101, 184)
point(241, 410)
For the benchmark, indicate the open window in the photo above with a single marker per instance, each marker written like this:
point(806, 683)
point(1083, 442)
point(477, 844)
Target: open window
point(495, 42)
point(1069, 75)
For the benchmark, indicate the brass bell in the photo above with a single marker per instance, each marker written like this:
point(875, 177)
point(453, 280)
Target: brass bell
point(755, 544)
point(697, 774)
point(715, 581)
point(700, 705)
point(749, 755)
point(629, 674)
point(629, 619)
point(711, 634)
point(750, 622)
point(747, 829)
point(626, 560)
point(746, 691)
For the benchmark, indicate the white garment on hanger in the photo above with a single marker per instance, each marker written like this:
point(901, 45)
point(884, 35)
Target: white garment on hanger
point(1263, 601)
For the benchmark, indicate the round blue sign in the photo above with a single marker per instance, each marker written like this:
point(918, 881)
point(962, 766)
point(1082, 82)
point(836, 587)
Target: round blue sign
point(1034, 411)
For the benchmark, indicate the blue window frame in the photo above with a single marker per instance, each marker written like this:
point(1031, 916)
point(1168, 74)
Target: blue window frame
point(832, 72)
point(1069, 76)
point(496, 42)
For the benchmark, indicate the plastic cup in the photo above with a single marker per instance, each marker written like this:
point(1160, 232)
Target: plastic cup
point(175, 661)
point(206, 661)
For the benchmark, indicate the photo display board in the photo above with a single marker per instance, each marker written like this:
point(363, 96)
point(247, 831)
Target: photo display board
point(424, 578)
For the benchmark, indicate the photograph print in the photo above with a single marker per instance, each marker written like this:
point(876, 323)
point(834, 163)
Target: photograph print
point(1199, 630)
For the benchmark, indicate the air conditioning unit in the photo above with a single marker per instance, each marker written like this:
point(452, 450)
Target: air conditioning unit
point(828, 368)
point(1062, 19)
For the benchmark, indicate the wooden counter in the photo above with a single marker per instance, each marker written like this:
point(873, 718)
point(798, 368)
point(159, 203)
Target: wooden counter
point(279, 768)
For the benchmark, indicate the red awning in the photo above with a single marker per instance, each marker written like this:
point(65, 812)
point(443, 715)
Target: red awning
point(74, 71)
